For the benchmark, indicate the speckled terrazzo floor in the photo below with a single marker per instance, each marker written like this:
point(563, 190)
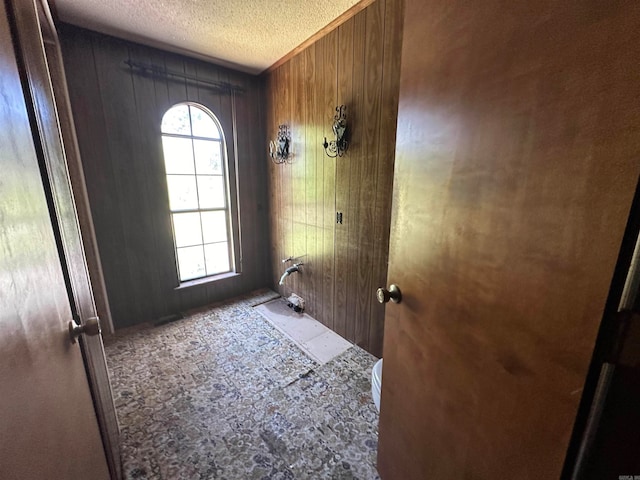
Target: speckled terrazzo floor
point(221, 394)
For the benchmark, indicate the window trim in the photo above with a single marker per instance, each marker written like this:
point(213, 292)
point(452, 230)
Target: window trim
point(204, 280)
point(228, 167)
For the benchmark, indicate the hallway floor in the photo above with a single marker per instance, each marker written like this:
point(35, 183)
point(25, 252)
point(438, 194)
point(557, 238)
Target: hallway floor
point(221, 394)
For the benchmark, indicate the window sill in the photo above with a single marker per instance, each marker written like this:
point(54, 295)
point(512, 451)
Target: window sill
point(205, 280)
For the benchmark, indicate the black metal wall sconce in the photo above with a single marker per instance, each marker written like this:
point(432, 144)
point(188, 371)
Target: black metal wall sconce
point(337, 148)
point(279, 150)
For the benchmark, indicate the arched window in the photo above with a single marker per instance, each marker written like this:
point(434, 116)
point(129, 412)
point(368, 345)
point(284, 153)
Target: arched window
point(196, 167)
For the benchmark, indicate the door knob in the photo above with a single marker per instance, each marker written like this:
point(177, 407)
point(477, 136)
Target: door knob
point(392, 294)
point(90, 327)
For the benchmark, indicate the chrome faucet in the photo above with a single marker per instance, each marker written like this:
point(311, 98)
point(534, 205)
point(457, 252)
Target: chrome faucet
point(292, 269)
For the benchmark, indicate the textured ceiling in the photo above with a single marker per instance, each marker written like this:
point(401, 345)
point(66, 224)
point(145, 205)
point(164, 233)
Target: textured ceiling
point(249, 35)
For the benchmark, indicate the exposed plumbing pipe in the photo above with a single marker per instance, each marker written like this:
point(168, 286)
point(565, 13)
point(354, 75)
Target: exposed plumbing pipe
point(292, 269)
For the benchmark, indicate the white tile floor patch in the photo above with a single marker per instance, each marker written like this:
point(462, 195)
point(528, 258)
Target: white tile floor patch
point(319, 342)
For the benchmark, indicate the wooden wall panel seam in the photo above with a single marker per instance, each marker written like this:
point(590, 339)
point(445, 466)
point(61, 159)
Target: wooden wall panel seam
point(125, 173)
point(121, 308)
point(349, 259)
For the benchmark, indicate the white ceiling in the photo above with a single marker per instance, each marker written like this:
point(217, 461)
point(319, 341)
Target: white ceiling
point(249, 35)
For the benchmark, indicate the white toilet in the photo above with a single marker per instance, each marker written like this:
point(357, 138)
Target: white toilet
point(376, 383)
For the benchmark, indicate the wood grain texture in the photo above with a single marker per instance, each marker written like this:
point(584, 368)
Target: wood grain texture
point(328, 104)
point(297, 171)
point(47, 96)
point(343, 181)
point(41, 373)
point(355, 64)
point(357, 174)
point(516, 165)
point(386, 152)
point(118, 117)
point(321, 310)
point(76, 172)
point(309, 177)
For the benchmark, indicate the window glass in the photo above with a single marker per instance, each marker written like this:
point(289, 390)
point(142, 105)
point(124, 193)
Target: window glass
point(183, 193)
point(217, 257)
point(208, 157)
point(214, 226)
point(178, 155)
point(176, 120)
point(194, 159)
point(187, 229)
point(203, 124)
point(211, 191)
point(191, 262)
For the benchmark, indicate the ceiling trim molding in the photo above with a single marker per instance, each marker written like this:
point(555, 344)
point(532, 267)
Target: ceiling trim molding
point(352, 12)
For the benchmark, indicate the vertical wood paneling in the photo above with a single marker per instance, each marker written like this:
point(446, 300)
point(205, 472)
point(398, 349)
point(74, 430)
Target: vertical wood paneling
point(87, 87)
point(310, 160)
point(146, 126)
point(108, 58)
point(372, 92)
point(252, 172)
point(321, 310)
point(356, 177)
point(361, 181)
point(274, 200)
point(285, 96)
point(298, 282)
point(118, 115)
point(356, 65)
point(394, 15)
point(343, 181)
point(329, 174)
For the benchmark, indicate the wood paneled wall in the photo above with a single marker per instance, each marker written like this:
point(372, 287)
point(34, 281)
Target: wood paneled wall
point(356, 64)
point(117, 117)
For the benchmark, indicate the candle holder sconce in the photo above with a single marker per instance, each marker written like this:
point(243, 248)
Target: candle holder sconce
point(279, 149)
point(338, 147)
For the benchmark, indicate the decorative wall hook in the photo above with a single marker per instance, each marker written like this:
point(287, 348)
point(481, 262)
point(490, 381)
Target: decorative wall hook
point(336, 148)
point(279, 150)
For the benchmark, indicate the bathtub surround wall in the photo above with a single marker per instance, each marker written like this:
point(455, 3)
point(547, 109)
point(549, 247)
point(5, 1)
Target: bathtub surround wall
point(356, 64)
point(117, 117)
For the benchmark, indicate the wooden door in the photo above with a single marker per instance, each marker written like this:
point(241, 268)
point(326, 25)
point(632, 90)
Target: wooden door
point(48, 423)
point(39, 48)
point(516, 164)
